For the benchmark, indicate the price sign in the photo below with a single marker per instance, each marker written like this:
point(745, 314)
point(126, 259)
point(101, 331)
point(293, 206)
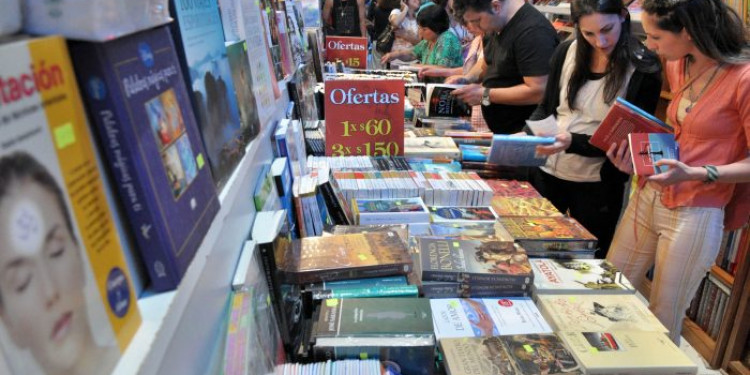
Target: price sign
point(364, 118)
point(351, 50)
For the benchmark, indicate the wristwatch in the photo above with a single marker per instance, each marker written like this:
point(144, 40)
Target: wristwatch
point(486, 97)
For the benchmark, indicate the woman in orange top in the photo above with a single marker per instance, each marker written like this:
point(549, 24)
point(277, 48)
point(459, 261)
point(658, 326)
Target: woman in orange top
point(675, 219)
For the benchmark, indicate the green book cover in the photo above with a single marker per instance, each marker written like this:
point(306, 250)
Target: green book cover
point(374, 317)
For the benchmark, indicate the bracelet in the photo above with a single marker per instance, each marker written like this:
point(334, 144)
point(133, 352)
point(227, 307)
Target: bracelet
point(712, 174)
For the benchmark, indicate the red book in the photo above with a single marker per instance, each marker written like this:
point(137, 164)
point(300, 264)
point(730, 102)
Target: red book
point(647, 149)
point(622, 119)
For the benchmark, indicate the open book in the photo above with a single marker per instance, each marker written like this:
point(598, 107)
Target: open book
point(646, 149)
point(441, 103)
point(622, 119)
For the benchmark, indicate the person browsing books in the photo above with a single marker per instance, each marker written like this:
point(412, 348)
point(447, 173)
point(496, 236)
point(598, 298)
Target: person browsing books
point(513, 71)
point(43, 306)
point(345, 18)
point(602, 62)
point(675, 219)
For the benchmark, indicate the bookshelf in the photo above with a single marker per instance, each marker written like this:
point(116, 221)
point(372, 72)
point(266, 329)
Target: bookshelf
point(737, 342)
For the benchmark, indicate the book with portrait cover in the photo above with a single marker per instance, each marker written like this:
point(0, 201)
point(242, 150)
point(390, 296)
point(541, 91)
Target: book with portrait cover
point(482, 317)
point(538, 233)
point(140, 108)
point(516, 206)
point(575, 276)
point(473, 261)
point(597, 312)
point(440, 102)
point(68, 302)
point(532, 354)
point(648, 148)
point(517, 150)
point(199, 38)
point(628, 352)
point(622, 119)
point(513, 188)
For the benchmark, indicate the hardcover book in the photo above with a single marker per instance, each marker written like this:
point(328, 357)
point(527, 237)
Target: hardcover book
point(390, 211)
point(370, 282)
point(474, 317)
point(243, 85)
point(474, 152)
point(64, 279)
point(203, 56)
point(471, 231)
point(536, 233)
point(473, 261)
point(401, 229)
point(576, 276)
point(518, 150)
point(447, 289)
point(646, 149)
point(462, 214)
point(515, 206)
point(628, 352)
point(622, 119)
point(440, 102)
point(597, 313)
point(141, 112)
point(431, 148)
point(533, 354)
point(513, 188)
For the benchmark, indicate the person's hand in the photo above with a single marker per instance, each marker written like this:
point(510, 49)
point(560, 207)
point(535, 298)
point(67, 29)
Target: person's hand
point(456, 80)
point(677, 172)
point(469, 94)
point(562, 142)
point(430, 71)
point(386, 58)
point(619, 155)
point(403, 5)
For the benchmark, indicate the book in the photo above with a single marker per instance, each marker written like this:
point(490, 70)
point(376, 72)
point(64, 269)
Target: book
point(474, 317)
point(239, 65)
point(462, 214)
point(402, 230)
point(369, 282)
point(440, 102)
point(140, 110)
point(516, 206)
point(513, 188)
point(431, 147)
point(390, 211)
point(532, 354)
point(471, 231)
point(368, 292)
point(473, 261)
point(447, 289)
point(265, 196)
point(648, 148)
point(517, 150)
point(346, 256)
point(282, 178)
point(597, 312)
point(474, 152)
point(61, 252)
point(622, 119)
point(203, 58)
point(562, 276)
point(628, 352)
point(535, 233)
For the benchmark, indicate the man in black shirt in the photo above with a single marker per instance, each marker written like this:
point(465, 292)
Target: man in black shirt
point(345, 17)
point(518, 45)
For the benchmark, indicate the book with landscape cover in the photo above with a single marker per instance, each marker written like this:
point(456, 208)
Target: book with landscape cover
point(517, 150)
point(471, 231)
point(447, 289)
point(481, 317)
point(451, 214)
point(628, 352)
point(648, 148)
point(473, 261)
point(576, 276)
point(440, 102)
point(535, 233)
point(622, 119)
point(243, 85)
point(140, 108)
point(390, 211)
point(597, 312)
point(532, 354)
point(64, 274)
point(513, 188)
point(346, 256)
point(516, 206)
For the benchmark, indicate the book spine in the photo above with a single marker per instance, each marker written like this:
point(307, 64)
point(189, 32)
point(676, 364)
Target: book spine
point(346, 273)
point(381, 291)
point(117, 142)
point(458, 290)
point(556, 245)
point(268, 260)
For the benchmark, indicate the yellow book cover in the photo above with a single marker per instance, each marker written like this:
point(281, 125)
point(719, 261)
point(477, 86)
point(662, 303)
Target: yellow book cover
point(66, 300)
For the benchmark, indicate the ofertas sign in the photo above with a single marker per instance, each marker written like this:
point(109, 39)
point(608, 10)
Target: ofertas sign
point(364, 117)
point(351, 50)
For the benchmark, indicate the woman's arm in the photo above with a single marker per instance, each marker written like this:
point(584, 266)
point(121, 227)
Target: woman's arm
point(396, 19)
point(678, 171)
point(404, 54)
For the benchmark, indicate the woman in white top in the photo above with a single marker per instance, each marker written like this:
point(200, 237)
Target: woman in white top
point(404, 21)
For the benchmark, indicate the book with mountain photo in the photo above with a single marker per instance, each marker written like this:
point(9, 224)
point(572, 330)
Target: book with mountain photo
point(440, 102)
point(648, 148)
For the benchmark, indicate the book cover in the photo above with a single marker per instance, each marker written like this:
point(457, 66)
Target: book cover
point(648, 148)
point(346, 256)
point(199, 39)
point(473, 261)
point(628, 352)
point(462, 214)
point(474, 152)
point(265, 195)
point(271, 31)
point(515, 206)
point(431, 148)
point(471, 231)
point(622, 119)
point(402, 230)
point(513, 188)
point(243, 85)
point(141, 112)
point(576, 276)
point(440, 102)
point(598, 312)
point(367, 292)
point(536, 233)
point(447, 289)
point(370, 282)
point(474, 317)
point(390, 211)
point(68, 302)
point(282, 178)
point(517, 150)
point(374, 316)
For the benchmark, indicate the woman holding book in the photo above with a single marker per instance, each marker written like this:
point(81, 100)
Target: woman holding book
point(676, 218)
point(588, 73)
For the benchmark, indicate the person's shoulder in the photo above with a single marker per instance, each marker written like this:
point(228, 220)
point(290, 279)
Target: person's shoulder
point(643, 59)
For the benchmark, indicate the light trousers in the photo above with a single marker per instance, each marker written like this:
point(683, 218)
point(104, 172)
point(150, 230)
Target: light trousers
point(682, 243)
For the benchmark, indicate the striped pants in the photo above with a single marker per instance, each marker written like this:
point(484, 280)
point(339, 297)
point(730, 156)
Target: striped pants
point(682, 243)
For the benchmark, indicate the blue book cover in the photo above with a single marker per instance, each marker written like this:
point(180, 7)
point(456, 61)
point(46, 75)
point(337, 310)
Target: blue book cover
point(474, 153)
point(199, 38)
point(140, 109)
point(517, 150)
point(283, 181)
point(243, 84)
point(648, 148)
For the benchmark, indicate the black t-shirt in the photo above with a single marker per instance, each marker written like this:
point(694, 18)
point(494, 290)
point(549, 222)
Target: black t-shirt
point(522, 49)
point(345, 18)
point(380, 20)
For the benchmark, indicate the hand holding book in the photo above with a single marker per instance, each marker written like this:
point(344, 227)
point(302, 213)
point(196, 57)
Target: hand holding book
point(562, 143)
point(470, 94)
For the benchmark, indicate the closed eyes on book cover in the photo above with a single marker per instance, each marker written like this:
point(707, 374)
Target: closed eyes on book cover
point(140, 110)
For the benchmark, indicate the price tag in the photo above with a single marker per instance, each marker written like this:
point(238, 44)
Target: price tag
point(351, 50)
point(364, 117)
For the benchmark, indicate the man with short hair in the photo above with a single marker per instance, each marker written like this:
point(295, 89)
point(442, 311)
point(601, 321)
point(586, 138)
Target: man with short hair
point(519, 42)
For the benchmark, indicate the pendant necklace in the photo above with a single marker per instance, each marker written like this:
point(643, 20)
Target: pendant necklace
point(691, 98)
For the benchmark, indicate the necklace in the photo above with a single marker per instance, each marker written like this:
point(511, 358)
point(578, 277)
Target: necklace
point(691, 97)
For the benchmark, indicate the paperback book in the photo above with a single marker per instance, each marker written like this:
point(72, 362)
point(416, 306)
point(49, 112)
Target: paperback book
point(513, 188)
point(431, 148)
point(472, 231)
point(577, 276)
point(648, 148)
point(518, 150)
point(535, 233)
point(515, 206)
point(462, 214)
point(622, 119)
point(441, 102)
point(243, 84)
point(390, 211)
point(474, 317)
point(447, 289)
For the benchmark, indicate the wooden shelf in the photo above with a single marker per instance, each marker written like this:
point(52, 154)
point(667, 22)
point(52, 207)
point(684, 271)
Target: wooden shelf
point(737, 368)
point(703, 344)
point(725, 277)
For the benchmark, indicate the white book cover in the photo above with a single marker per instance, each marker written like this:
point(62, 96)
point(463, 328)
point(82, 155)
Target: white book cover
point(598, 312)
point(480, 317)
point(573, 276)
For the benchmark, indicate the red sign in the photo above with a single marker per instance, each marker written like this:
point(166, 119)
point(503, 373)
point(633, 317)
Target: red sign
point(364, 117)
point(351, 50)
